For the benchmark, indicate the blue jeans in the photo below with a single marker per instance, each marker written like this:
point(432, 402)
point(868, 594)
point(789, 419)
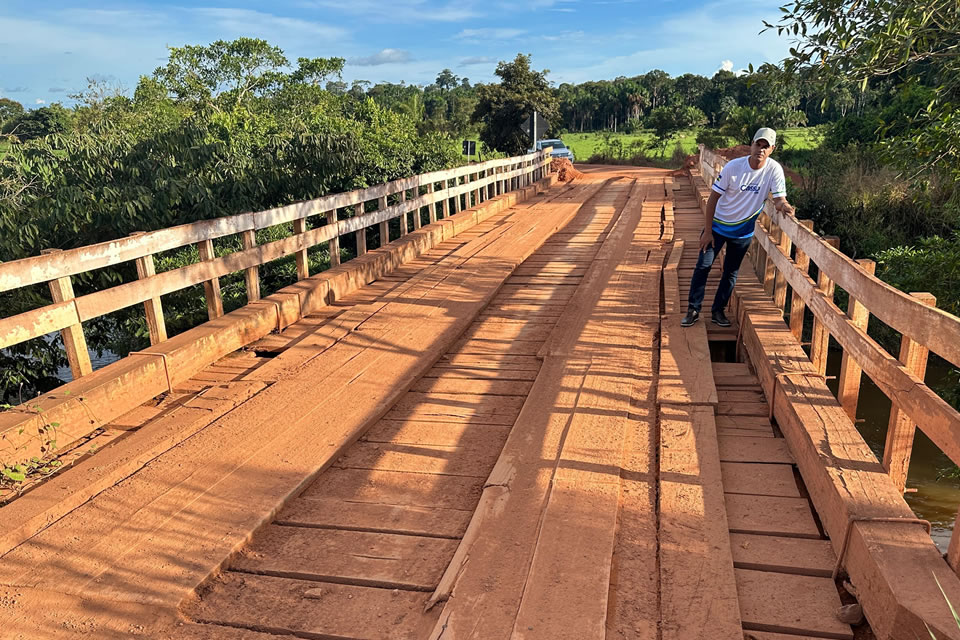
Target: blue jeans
point(736, 249)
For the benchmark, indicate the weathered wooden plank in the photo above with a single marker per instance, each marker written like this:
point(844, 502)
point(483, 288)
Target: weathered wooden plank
point(790, 604)
point(845, 480)
point(848, 382)
point(771, 515)
point(698, 590)
point(61, 290)
point(900, 428)
point(686, 376)
point(820, 342)
point(802, 556)
point(938, 419)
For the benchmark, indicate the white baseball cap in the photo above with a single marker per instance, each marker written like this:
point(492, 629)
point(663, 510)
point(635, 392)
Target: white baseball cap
point(766, 133)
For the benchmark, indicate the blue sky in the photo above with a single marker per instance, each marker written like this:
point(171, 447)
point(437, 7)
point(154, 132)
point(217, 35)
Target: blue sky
point(50, 47)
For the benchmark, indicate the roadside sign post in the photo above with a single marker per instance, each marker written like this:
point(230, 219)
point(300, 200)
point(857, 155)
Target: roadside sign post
point(534, 124)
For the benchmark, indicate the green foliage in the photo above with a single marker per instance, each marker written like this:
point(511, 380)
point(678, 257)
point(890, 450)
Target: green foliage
point(9, 109)
point(219, 130)
point(893, 42)
point(713, 138)
point(667, 121)
point(931, 264)
point(38, 123)
point(501, 108)
point(15, 470)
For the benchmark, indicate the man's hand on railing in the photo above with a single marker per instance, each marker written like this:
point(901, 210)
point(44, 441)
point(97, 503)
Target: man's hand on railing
point(784, 207)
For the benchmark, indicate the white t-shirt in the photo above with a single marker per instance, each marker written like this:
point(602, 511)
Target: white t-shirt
point(742, 193)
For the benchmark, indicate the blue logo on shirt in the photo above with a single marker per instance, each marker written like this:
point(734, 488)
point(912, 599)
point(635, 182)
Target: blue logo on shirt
point(750, 187)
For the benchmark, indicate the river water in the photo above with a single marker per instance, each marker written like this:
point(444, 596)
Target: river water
point(936, 497)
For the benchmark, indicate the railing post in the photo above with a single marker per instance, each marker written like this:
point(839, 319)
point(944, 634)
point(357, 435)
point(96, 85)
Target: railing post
point(848, 389)
point(417, 213)
point(334, 244)
point(953, 551)
point(361, 233)
point(797, 305)
point(432, 207)
point(211, 288)
point(780, 281)
point(900, 428)
point(446, 200)
point(457, 204)
point(303, 265)
point(759, 254)
point(252, 274)
point(769, 268)
point(61, 290)
point(152, 307)
point(384, 225)
point(820, 342)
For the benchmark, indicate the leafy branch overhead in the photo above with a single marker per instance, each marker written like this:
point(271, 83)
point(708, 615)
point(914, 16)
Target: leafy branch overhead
point(914, 43)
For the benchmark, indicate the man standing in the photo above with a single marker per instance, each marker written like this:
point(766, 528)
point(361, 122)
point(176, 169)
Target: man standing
point(732, 211)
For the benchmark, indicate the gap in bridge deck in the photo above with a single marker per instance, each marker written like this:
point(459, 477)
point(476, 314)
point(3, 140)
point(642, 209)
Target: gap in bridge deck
point(782, 560)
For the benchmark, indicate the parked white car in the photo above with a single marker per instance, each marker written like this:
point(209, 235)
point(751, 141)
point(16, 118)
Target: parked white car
point(560, 150)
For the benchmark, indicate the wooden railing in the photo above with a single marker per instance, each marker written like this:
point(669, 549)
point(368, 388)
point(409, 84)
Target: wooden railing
point(450, 191)
point(782, 250)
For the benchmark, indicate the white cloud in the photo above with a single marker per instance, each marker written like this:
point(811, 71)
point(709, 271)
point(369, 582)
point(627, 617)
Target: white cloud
point(726, 65)
point(386, 56)
point(490, 33)
point(39, 101)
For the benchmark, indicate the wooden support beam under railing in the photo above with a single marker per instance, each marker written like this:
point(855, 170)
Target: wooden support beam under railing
point(211, 288)
point(797, 305)
point(61, 290)
point(780, 282)
point(334, 243)
point(303, 263)
point(385, 224)
point(848, 389)
point(361, 233)
point(898, 447)
point(769, 270)
point(820, 342)
point(152, 307)
point(251, 274)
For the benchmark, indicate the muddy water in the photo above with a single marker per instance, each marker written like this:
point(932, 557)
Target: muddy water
point(936, 498)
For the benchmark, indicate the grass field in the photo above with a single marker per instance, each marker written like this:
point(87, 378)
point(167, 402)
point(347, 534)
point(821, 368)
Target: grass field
point(585, 145)
point(4, 147)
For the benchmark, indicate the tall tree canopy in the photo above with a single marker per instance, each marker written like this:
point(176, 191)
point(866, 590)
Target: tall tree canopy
point(501, 108)
point(915, 43)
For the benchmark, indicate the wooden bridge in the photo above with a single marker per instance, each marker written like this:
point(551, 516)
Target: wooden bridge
point(489, 426)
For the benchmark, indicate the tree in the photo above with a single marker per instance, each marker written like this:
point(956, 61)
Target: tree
point(912, 41)
point(38, 123)
point(666, 121)
point(235, 71)
point(446, 80)
point(9, 109)
point(501, 108)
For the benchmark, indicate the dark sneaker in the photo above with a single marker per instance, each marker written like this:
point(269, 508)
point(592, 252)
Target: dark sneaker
point(719, 318)
point(691, 318)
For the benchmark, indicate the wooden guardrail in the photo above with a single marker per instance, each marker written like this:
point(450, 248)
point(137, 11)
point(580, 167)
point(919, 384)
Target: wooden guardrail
point(783, 248)
point(451, 190)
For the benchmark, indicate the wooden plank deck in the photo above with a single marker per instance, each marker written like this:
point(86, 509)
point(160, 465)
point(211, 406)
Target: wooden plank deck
point(508, 437)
